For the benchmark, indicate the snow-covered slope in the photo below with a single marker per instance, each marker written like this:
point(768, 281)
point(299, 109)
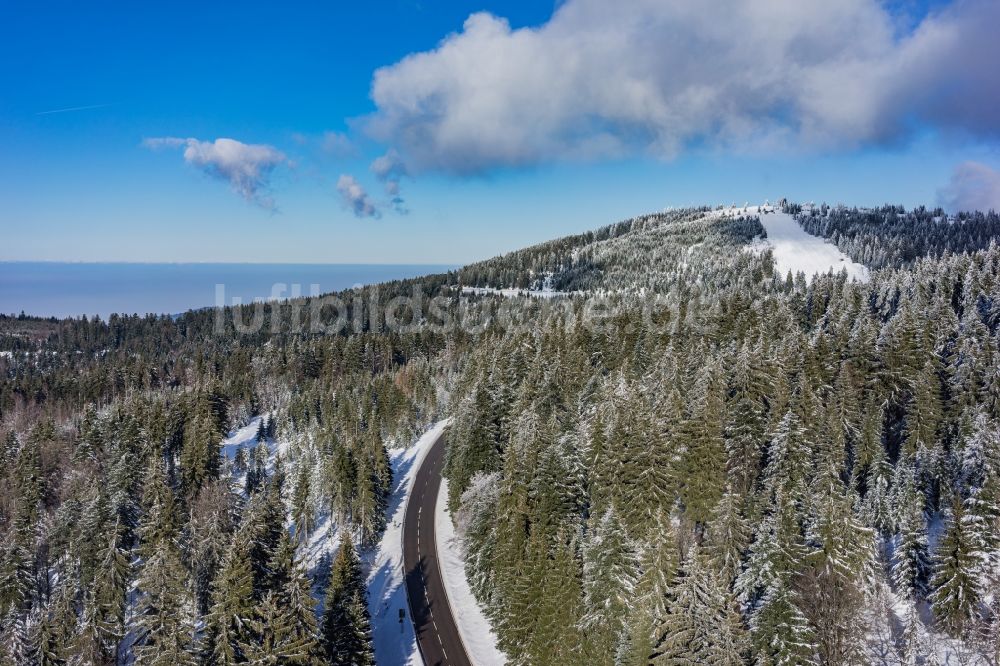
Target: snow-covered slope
point(477, 636)
point(793, 248)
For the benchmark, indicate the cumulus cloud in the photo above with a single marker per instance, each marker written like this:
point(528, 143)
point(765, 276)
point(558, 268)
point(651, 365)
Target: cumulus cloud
point(246, 167)
point(390, 169)
point(973, 186)
point(656, 77)
point(355, 198)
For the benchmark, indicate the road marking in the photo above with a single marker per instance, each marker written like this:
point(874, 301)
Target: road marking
point(443, 651)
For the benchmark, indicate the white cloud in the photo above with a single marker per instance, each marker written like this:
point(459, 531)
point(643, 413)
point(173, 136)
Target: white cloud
point(655, 77)
point(389, 166)
point(246, 167)
point(390, 169)
point(973, 186)
point(355, 198)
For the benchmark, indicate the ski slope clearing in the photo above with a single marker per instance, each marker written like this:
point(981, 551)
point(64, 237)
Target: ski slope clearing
point(794, 249)
point(395, 641)
point(477, 636)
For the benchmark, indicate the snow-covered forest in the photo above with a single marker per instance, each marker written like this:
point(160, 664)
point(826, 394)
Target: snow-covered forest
point(691, 456)
point(766, 469)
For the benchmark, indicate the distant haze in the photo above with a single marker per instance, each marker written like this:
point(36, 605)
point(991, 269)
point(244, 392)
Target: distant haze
point(74, 289)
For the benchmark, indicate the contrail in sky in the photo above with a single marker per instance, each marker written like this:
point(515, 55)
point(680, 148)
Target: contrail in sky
point(72, 108)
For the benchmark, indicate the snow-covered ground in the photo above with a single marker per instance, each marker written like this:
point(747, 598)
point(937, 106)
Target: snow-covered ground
point(793, 248)
point(477, 636)
point(324, 537)
point(546, 290)
point(536, 293)
point(241, 438)
point(395, 642)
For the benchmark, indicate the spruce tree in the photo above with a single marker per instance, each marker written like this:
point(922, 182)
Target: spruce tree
point(165, 613)
point(787, 468)
point(745, 425)
point(876, 507)
point(840, 573)
point(227, 624)
point(702, 625)
point(728, 538)
point(914, 648)
point(778, 550)
point(302, 510)
point(556, 638)
point(300, 614)
point(369, 503)
point(473, 446)
point(956, 581)
point(910, 562)
point(212, 520)
point(17, 573)
point(275, 639)
point(610, 569)
point(659, 561)
point(57, 628)
point(263, 529)
point(780, 633)
point(346, 626)
point(109, 594)
point(980, 476)
point(102, 625)
point(599, 470)
point(160, 520)
point(200, 459)
point(924, 415)
point(703, 461)
point(16, 644)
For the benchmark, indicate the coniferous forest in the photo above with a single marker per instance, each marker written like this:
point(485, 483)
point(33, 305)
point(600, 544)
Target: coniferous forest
point(679, 456)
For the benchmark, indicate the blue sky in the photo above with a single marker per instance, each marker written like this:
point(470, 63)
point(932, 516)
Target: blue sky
point(525, 123)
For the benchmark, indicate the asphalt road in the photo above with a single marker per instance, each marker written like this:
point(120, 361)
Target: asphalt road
point(437, 633)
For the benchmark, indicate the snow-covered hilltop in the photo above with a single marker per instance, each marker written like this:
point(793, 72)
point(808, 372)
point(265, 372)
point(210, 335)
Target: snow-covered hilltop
point(658, 253)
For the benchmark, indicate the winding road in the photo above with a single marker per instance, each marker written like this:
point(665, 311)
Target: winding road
point(437, 634)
